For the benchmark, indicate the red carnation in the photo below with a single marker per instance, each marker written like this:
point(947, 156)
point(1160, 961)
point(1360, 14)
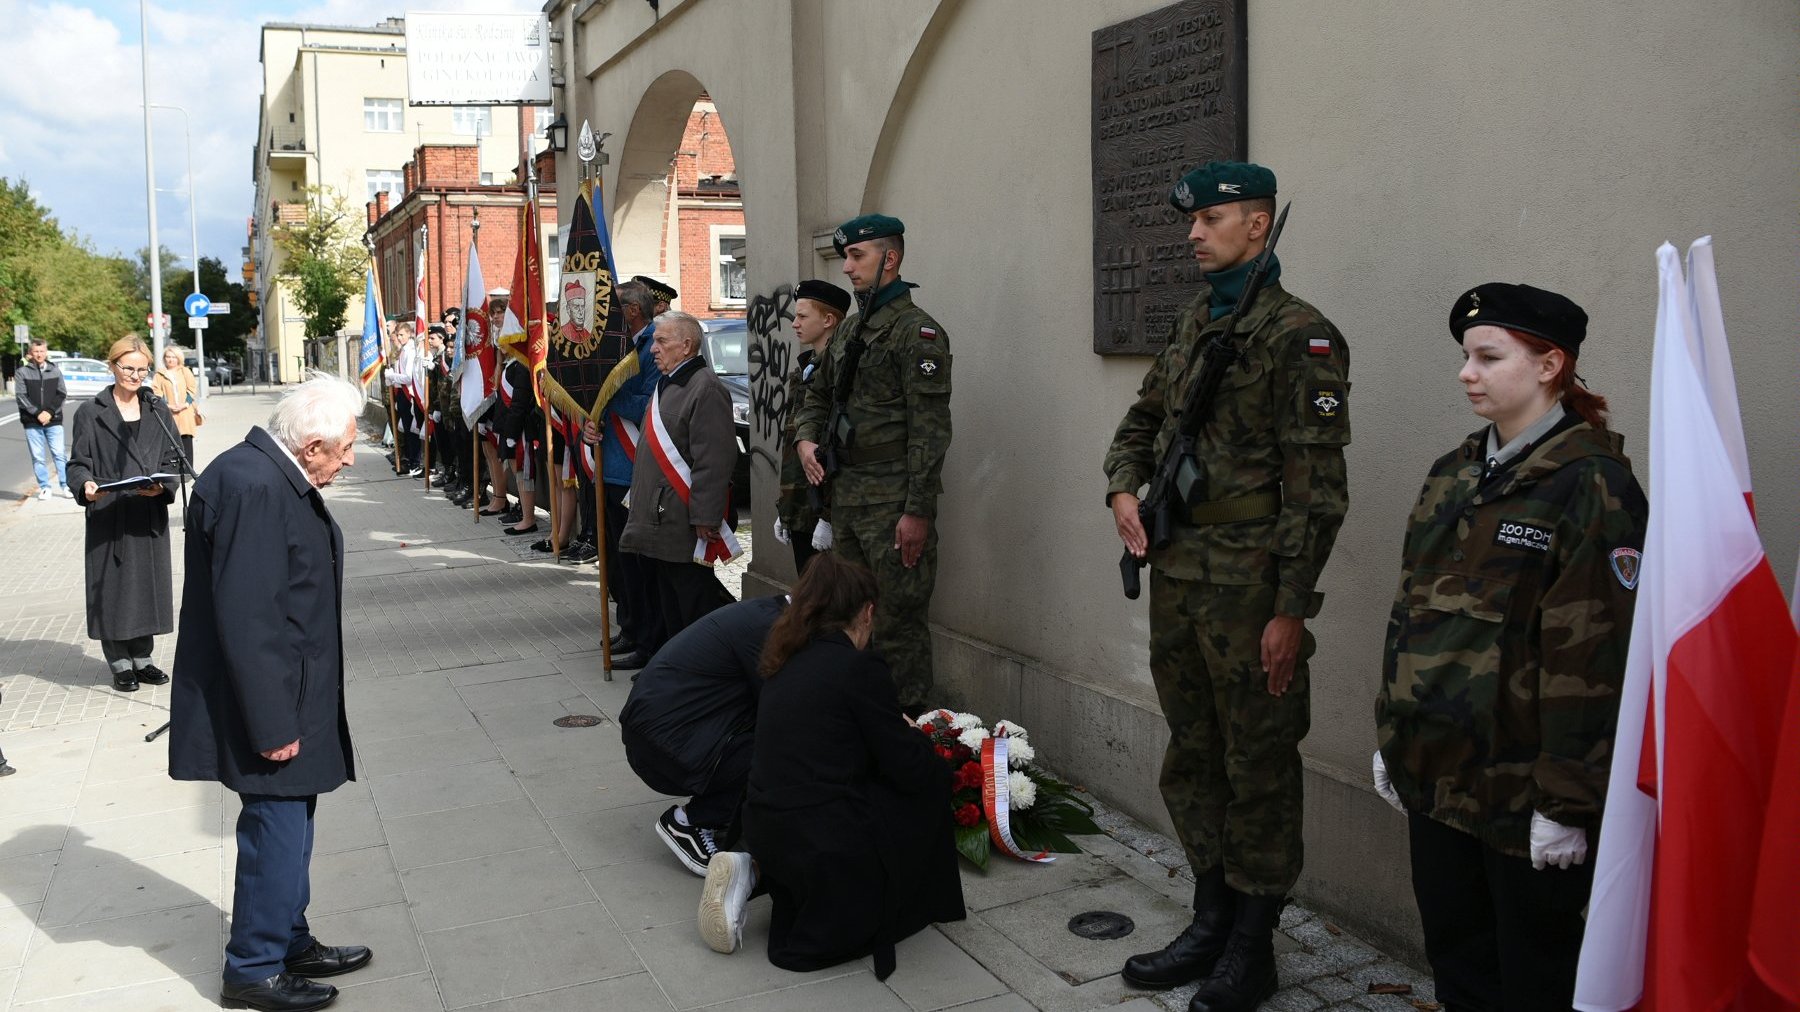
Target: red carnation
point(969, 777)
point(967, 815)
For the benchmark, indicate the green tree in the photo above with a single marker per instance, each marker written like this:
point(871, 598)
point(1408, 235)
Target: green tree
point(324, 259)
point(139, 277)
point(25, 226)
point(226, 333)
point(83, 301)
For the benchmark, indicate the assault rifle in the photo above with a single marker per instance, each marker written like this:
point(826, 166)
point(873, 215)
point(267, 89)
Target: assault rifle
point(840, 434)
point(1179, 483)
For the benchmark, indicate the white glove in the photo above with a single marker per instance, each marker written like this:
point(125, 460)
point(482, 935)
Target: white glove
point(822, 536)
point(1553, 843)
point(781, 532)
point(1384, 785)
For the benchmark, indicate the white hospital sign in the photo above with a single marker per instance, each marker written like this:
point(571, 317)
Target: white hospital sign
point(477, 59)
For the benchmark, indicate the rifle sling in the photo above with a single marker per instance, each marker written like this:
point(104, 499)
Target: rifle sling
point(1254, 506)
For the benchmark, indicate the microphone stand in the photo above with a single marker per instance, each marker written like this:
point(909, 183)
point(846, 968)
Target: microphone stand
point(183, 469)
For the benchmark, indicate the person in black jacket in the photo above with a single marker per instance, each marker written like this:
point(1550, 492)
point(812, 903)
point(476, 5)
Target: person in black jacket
point(130, 584)
point(258, 700)
point(847, 817)
point(521, 441)
point(688, 724)
point(39, 390)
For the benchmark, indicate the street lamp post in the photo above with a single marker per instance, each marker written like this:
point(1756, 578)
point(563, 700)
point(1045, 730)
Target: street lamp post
point(193, 237)
point(155, 257)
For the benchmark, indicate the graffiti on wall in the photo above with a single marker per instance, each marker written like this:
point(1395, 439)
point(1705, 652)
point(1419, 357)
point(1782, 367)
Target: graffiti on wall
point(770, 358)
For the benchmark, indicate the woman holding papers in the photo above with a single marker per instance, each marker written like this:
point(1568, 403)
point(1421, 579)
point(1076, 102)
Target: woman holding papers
point(1505, 653)
point(120, 435)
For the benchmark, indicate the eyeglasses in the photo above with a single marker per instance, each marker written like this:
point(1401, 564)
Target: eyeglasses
point(131, 370)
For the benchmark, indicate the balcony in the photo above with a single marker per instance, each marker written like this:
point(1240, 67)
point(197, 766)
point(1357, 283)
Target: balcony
point(287, 142)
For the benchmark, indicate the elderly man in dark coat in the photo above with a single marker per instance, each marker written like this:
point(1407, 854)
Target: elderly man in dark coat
point(258, 701)
point(681, 482)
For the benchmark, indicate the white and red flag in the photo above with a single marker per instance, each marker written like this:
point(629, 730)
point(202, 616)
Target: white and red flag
point(1684, 904)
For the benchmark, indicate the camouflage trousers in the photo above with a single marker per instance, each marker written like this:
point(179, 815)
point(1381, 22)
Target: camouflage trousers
point(865, 535)
point(1231, 777)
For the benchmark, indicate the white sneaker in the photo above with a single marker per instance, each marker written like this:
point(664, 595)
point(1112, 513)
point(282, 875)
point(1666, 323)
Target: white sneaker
point(730, 877)
point(43, 494)
point(62, 492)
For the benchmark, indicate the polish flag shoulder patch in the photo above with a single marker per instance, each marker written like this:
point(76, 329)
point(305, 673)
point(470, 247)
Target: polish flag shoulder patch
point(1319, 346)
point(928, 333)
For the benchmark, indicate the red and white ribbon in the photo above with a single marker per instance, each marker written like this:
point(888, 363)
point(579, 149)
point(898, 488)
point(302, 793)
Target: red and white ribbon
point(723, 546)
point(996, 798)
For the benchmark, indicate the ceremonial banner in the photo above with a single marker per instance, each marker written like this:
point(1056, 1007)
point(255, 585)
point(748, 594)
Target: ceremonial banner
point(522, 333)
point(590, 327)
point(1681, 865)
point(474, 352)
point(369, 363)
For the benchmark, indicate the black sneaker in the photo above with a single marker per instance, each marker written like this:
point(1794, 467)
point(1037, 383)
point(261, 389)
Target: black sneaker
point(694, 846)
point(580, 552)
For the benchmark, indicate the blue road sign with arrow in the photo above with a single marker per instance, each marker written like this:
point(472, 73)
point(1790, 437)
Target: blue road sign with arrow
point(196, 304)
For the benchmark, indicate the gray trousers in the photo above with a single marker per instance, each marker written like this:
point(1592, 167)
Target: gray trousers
point(128, 655)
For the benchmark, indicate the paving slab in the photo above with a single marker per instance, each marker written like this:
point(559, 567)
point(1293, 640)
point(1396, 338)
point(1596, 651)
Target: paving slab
point(515, 956)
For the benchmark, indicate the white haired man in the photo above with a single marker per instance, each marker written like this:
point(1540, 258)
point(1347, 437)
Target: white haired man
point(258, 696)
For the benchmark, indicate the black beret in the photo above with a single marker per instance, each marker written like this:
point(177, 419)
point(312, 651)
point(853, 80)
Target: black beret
point(1221, 183)
point(1528, 310)
point(863, 228)
point(661, 289)
point(438, 329)
point(826, 292)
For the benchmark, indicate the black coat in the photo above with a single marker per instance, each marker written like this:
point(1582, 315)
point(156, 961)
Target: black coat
point(848, 812)
point(696, 695)
point(130, 589)
point(260, 659)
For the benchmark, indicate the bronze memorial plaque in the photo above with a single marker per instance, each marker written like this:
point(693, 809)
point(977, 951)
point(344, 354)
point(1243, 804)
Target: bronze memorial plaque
point(1168, 94)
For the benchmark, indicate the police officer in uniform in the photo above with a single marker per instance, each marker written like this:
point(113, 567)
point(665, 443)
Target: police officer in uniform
point(819, 306)
point(884, 497)
point(662, 291)
point(1230, 595)
point(1505, 655)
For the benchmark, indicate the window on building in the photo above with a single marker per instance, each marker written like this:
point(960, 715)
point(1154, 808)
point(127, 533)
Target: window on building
point(540, 120)
point(384, 115)
point(731, 279)
point(472, 122)
point(388, 180)
point(487, 179)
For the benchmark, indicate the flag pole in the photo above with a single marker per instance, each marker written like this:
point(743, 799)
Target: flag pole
point(475, 469)
point(425, 405)
point(600, 546)
point(387, 394)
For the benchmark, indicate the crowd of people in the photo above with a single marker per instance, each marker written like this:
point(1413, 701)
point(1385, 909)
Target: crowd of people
point(787, 722)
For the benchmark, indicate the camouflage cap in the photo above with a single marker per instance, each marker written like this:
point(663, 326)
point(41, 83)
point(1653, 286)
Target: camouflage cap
point(1221, 183)
point(863, 228)
point(1534, 311)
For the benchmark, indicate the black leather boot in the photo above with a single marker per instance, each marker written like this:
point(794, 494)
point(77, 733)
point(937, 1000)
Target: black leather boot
point(1193, 952)
point(1245, 975)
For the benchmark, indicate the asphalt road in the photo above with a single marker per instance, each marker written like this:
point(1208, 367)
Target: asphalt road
point(16, 478)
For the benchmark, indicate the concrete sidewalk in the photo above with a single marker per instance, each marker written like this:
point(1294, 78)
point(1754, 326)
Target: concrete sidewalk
point(490, 858)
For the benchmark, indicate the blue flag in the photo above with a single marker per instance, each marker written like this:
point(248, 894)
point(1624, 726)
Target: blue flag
point(371, 339)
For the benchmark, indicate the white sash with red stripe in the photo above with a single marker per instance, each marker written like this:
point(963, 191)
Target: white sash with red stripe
point(627, 435)
point(722, 546)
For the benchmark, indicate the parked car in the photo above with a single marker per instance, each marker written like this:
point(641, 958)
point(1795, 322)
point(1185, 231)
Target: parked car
point(727, 350)
point(84, 377)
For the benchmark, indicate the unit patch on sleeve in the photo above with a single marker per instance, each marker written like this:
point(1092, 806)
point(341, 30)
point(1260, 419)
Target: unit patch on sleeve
point(928, 366)
point(1627, 563)
point(1518, 534)
point(1327, 403)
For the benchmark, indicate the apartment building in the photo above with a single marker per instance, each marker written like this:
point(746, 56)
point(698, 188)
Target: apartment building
point(334, 113)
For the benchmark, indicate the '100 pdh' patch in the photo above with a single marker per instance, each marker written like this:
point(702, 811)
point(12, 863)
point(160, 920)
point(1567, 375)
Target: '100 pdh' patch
point(1516, 534)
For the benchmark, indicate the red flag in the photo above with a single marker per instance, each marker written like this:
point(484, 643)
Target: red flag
point(522, 334)
point(1711, 667)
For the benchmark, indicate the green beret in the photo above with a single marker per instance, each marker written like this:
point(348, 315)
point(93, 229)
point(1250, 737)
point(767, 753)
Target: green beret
point(1221, 183)
point(864, 228)
point(1528, 310)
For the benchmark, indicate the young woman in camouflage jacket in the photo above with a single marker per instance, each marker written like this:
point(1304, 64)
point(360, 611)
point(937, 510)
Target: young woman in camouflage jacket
point(1505, 654)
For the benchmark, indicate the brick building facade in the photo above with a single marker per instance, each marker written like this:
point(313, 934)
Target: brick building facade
point(707, 245)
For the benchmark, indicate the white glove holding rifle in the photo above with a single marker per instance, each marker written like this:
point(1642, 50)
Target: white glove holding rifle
point(1384, 784)
point(1553, 843)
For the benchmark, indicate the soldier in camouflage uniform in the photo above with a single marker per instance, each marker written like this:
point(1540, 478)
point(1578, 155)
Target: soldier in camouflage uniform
point(1505, 654)
point(819, 307)
point(1230, 595)
point(884, 498)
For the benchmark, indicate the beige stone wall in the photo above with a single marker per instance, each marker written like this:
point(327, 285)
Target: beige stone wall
point(1426, 148)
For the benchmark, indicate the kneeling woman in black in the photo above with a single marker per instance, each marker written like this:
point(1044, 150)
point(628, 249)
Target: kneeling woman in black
point(847, 818)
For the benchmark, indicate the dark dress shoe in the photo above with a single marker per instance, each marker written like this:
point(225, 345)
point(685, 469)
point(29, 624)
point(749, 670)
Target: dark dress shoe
point(152, 675)
point(542, 545)
point(515, 531)
point(283, 992)
point(631, 661)
point(126, 682)
point(511, 517)
point(329, 960)
point(621, 643)
point(493, 513)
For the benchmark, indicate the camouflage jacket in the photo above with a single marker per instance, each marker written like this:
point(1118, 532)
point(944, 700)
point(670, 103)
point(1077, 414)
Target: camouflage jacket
point(1280, 423)
point(1506, 644)
point(795, 505)
point(899, 407)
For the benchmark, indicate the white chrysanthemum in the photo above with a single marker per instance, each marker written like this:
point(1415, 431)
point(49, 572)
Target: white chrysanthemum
point(964, 721)
point(1008, 729)
point(1019, 752)
point(1021, 791)
point(973, 737)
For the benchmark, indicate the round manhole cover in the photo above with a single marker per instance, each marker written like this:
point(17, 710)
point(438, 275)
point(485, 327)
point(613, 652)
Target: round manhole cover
point(577, 720)
point(1101, 924)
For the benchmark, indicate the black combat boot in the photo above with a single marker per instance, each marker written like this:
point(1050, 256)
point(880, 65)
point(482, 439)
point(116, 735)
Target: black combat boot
point(1193, 952)
point(1245, 975)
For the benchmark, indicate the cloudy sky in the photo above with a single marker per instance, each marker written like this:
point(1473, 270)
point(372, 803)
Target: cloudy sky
point(70, 124)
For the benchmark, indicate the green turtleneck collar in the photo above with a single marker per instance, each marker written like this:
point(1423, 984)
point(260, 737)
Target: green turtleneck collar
point(1228, 285)
point(889, 292)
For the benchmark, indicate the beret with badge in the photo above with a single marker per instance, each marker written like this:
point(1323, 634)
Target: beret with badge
point(661, 289)
point(863, 228)
point(1221, 183)
point(826, 292)
point(1528, 310)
